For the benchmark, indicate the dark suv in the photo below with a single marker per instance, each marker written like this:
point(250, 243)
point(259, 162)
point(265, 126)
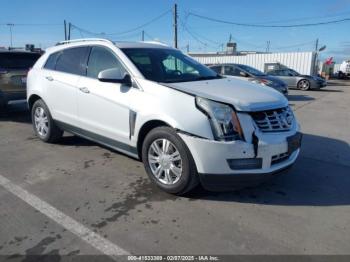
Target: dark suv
point(14, 66)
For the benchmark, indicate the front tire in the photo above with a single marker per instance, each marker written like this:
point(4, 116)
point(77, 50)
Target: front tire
point(304, 84)
point(168, 161)
point(43, 124)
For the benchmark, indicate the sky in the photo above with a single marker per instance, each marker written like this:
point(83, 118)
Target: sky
point(41, 22)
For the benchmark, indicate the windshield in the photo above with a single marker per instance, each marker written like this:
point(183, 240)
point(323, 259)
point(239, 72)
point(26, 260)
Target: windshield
point(10, 60)
point(251, 70)
point(168, 65)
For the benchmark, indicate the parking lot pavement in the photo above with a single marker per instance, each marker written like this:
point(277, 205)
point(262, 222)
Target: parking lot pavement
point(107, 193)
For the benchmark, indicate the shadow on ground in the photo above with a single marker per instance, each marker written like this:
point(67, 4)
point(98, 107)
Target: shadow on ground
point(300, 98)
point(16, 113)
point(313, 181)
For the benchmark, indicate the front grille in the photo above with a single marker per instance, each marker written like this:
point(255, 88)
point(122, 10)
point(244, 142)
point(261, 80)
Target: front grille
point(274, 120)
point(279, 158)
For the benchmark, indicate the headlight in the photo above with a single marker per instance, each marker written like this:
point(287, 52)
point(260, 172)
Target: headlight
point(263, 82)
point(223, 119)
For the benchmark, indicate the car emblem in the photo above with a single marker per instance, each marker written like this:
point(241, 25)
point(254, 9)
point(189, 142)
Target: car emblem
point(286, 118)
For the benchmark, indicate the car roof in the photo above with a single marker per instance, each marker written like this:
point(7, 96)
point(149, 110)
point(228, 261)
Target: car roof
point(93, 41)
point(141, 45)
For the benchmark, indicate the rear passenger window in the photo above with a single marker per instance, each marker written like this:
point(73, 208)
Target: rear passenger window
point(73, 61)
point(51, 61)
point(101, 59)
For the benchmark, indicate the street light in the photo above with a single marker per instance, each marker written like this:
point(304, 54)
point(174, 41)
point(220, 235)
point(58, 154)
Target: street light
point(322, 48)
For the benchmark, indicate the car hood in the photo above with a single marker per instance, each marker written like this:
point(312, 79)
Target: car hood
point(243, 95)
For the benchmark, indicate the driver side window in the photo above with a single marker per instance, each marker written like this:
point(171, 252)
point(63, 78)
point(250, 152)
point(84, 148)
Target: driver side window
point(101, 59)
point(232, 71)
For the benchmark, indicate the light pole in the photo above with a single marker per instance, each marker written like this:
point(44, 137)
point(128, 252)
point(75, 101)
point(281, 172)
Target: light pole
point(10, 25)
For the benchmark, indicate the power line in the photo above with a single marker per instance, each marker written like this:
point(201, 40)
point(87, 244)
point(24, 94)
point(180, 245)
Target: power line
point(122, 32)
point(268, 26)
point(5, 24)
point(304, 18)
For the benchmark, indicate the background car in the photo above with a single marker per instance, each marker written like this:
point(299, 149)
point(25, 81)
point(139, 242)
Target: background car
point(294, 79)
point(252, 75)
point(14, 66)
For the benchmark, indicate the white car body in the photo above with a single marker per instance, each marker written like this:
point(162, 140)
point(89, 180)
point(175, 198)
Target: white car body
point(116, 116)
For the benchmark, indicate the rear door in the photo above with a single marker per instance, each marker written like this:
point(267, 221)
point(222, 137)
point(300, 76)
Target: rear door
point(61, 75)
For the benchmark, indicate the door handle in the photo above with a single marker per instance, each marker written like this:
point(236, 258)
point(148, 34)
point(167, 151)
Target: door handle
point(50, 78)
point(84, 90)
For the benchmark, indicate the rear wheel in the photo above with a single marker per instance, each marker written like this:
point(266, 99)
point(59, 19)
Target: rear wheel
point(168, 162)
point(43, 124)
point(304, 84)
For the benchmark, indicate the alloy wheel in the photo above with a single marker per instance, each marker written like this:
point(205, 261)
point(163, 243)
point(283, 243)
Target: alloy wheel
point(165, 161)
point(304, 84)
point(41, 121)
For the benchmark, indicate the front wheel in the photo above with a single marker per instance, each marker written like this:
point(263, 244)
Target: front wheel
point(168, 161)
point(304, 84)
point(43, 124)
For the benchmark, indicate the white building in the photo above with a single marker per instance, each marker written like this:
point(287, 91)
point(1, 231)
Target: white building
point(302, 62)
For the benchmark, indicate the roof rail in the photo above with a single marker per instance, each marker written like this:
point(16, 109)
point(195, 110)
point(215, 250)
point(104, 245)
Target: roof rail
point(155, 42)
point(83, 40)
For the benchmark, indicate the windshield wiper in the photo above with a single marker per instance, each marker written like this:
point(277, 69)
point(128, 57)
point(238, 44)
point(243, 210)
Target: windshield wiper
point(200, 78)
point(207, 77)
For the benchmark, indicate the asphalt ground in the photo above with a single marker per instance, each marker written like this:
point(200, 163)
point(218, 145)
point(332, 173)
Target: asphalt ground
point(79, 198)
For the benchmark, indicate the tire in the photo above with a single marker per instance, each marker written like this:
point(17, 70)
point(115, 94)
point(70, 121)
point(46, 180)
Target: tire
point(2, 108)
point(43, 124)
point(304, 84)
point(3, 104)
point(182, 172)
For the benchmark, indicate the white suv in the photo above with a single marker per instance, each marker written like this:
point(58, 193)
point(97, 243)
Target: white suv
point(187, 124)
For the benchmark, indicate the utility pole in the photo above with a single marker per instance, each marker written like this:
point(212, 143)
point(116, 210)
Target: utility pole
point(188, 48)
point(10, 25)
point(316, 58)
point(268, 46)
point(65, 29)
point(175, 25)
point(143, 35)
point(69, 29)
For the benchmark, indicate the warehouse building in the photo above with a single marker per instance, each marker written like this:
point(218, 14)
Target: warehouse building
point(302, 62)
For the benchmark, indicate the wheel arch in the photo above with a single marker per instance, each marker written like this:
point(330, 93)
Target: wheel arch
point(145, 129)
point(32, 99)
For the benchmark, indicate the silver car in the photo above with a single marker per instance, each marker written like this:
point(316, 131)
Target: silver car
point(251, 74)
point(296, 80)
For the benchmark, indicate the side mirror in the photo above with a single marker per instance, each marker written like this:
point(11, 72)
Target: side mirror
point(244, 74)
point(114, 75)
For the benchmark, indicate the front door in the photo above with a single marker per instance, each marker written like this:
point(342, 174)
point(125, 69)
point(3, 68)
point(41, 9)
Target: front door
point(103, 108)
